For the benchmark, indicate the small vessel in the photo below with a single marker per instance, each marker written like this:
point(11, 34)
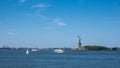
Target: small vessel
point(58, 50)
point(34, 50)
point(27, 52)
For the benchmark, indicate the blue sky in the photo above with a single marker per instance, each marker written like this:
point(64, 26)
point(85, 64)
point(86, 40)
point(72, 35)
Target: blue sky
point(57, 23)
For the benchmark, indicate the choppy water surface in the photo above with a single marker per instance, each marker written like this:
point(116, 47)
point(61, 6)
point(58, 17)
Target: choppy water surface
point(68, 59)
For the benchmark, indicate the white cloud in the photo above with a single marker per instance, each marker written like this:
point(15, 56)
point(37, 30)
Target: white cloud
point(40, 15)
point(40, 6)
point(11, 33)
point(22, 1)
point(59, 22)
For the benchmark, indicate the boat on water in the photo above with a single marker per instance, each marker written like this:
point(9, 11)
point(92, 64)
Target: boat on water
point(34, 50)
point(58, 50)
point(27, 51)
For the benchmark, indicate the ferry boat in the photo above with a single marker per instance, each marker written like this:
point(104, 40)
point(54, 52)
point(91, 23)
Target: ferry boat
point(34, 50)
point(58, 50)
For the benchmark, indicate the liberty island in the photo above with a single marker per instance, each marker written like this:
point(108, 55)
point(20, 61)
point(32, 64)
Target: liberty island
point(79, 47)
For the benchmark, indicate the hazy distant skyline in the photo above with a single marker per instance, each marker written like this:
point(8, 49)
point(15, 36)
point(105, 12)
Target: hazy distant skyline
point(57, 23)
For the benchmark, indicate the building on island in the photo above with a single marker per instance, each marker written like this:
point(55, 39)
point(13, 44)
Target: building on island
point(79, 46)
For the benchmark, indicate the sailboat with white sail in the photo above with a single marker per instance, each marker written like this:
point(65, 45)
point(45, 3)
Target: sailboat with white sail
point(27, 51)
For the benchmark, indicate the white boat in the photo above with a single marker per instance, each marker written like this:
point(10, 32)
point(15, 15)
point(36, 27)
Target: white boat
point(59, 50)
point(34, 50)
point(27, 52)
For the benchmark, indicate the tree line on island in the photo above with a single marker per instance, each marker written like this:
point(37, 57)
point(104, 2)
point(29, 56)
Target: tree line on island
point(95, 47)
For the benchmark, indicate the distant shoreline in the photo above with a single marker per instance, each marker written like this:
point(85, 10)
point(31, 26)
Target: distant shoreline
point(86, 48)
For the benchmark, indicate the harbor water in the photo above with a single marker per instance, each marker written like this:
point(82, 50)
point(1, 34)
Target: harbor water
point(68, 59)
